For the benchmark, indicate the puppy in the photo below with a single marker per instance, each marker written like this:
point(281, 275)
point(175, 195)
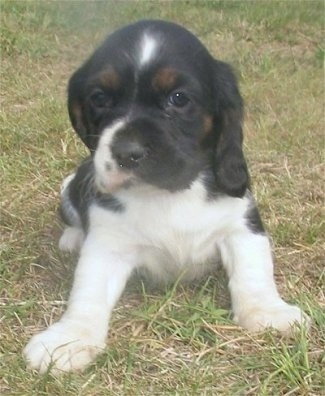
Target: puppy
point(165, 188)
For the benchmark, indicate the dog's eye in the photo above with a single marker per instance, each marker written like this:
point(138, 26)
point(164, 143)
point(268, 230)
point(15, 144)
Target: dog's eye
point(100, 99)
point(178, 99)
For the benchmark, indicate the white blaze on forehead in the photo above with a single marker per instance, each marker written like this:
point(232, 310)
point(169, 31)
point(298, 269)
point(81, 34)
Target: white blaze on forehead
point(148, 48)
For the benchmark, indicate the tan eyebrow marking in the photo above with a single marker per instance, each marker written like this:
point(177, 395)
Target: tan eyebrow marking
point(207, 124)
point(165, 79)
point(109, 78)
point(207, 128)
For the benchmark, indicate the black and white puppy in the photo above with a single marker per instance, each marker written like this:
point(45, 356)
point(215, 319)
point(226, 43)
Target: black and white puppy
point(165, 189)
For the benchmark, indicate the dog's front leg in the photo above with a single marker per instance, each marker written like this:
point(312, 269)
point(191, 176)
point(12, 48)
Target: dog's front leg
point(256, 303)
point(80, 334)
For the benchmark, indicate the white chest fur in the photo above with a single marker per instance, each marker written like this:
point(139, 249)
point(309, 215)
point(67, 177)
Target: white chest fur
point(171, 233)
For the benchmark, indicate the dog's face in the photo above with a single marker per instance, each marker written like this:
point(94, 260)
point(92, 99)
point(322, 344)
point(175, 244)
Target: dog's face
point(154, 107)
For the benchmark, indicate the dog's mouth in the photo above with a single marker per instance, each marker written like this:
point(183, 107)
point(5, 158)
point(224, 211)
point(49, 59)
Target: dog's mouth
point(113, 181)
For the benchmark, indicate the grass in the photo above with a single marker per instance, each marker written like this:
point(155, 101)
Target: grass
point(180, 341)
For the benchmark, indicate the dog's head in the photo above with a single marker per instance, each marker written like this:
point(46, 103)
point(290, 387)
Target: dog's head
point(154, 107)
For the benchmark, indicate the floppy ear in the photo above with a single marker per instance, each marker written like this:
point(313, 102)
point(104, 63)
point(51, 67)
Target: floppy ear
point(76, 106)
point(230, 169)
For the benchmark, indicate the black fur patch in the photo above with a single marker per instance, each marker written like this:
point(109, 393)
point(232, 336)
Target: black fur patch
point(108, 201)
point(81, 193)
point(254, 221)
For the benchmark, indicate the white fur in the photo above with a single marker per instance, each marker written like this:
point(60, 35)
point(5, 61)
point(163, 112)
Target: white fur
point(103, 153)
point(148, 49)
point(168, 234)
point(71, 239)
point(66, 183)
point(112, 179)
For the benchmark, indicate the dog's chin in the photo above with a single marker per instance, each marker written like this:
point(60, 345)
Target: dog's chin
point(113, 181)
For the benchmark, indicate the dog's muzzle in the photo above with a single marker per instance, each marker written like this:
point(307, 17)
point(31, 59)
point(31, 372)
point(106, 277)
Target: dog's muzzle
point(129, 154)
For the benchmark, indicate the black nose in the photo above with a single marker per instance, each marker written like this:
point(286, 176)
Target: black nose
point(129, 154)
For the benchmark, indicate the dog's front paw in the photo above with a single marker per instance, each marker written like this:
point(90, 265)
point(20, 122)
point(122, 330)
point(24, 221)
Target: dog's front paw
point(62, 347)
point(280, 316)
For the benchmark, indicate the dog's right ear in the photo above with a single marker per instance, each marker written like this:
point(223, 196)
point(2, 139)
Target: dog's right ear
point(76, 106)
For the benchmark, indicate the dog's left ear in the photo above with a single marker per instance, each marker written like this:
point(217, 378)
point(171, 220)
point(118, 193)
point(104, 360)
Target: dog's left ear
point(230, 169)
point(76, 107)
